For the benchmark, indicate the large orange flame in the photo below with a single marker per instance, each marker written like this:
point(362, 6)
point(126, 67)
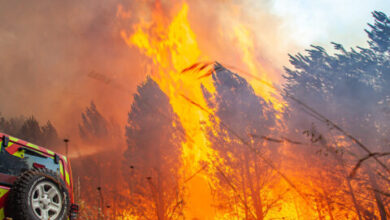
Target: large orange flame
point(172, 46)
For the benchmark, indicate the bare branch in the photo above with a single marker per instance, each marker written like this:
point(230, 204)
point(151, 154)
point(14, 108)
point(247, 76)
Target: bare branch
point(362, 160)
point(235, 191)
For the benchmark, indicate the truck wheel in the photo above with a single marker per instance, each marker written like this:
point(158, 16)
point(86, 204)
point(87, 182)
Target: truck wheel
point(38, 194)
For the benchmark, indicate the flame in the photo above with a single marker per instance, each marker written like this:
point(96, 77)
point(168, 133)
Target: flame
point(176, 59)
point(178, 66)
point(172, 47)
point(263, 84)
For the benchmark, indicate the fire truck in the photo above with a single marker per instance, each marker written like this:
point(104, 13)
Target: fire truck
point(35, 183)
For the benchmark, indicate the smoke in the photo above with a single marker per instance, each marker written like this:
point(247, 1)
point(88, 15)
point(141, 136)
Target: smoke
point(57, 56)
point(49, 51)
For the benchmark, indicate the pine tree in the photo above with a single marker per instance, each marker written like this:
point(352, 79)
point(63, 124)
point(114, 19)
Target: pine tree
point(50, 136)
point(380, 33)
point(93, 126)
point(351, 88)
point(152, 160)
point(243, 117)
point(31, 131)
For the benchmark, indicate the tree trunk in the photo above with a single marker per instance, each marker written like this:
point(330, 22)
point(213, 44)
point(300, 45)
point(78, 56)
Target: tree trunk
point(378, 197)
point(160, 193)
point(243, 185)
point(254, 192)
point(329, 208)
point(318, 206)
point(351, 191)
point(353, 198)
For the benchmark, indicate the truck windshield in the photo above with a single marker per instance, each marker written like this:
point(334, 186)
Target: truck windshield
point(11, 165)
point(46, 161)
point(14, 165)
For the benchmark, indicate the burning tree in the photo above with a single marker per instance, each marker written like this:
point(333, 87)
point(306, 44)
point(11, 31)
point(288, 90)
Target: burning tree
point(351, 89)
point(240, 118)
point(152, 159)
point(98, 170)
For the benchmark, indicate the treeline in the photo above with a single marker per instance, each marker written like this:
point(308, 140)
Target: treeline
point(29, 129)
point(329, 147)
point(341, 104)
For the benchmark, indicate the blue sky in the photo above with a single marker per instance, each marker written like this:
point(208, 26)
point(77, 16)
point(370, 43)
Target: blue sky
point(322, 21)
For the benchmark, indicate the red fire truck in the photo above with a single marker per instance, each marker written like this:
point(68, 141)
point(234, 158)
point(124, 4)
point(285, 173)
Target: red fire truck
point(35, 183)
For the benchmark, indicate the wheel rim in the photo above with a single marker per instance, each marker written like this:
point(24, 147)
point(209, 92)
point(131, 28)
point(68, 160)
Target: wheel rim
point(46, 200)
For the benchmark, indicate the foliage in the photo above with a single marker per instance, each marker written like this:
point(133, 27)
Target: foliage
point(30, 130)
point(239, 117)
point(93, 124)
point(350, 88)
point(152, 159)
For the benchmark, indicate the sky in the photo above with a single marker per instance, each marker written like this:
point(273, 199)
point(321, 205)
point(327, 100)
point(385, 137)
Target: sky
point(322, 21)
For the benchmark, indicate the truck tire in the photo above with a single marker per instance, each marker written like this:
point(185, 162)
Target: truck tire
point(38, 194)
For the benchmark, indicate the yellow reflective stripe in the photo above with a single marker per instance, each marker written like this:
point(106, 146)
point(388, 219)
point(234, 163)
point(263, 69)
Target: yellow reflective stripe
point(67, 178)
point(2, 216)
point(19, 154)
point(33, 146)
point(3, 191)
point(50, 152)
point(61, 169)
point(13, 139)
